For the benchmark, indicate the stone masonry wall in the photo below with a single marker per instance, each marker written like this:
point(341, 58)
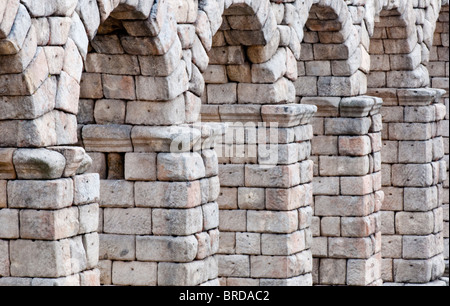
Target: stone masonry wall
point(264, 171)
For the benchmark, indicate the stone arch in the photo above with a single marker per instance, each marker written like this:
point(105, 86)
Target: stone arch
point(249, 85)
point(60, 39)
point(333, 69)
point(399, 51)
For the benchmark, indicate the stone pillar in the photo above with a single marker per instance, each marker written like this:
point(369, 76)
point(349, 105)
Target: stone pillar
point(347, 191)
point(48, 207)
point(265, 199)
point(413, 174)
point(159, 173)
point(48, 218)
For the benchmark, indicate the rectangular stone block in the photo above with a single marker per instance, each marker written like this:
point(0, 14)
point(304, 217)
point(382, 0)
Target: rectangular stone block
point(343, 166)
point(231, 175)
point(364, 272)
point(180, 166)
point(419, 247)
point(140, 166)
point(356, 185)
point(86, 188)
point(167, 194)
point(177, 274)
point(420, 199)
point(359, 226)
point(410, 131)
point(333, 271)
point(53, 194)
point(110, 138)
point(116, 193)
point(285, 199)
point(251, 198)
point(117, 247)
point(164, 248)
point(9, 223)
point(31, 258)
point(330, 226)
point(345, 206)
point(406, 271)
point(415, 152)
point(347, 126)
point(134, 273)
point(276, 245)
point(234, 265)
point(248, 243)
point(272, 176)
point(414, 223)
point(412, 175)
point(88, 218)
point(359, 248)
point(233, 220)
point(355, 146)
point(49, 224)
point(326, 185)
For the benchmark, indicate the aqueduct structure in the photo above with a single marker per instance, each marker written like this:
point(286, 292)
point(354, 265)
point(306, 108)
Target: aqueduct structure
point(224, 142)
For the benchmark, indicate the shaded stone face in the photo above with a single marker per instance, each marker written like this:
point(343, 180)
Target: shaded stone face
point(205, 142)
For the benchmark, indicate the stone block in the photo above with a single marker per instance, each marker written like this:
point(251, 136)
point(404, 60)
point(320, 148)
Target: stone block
point(343, 166)
point(116, 193)
point(231, 175)
point(248, 243)
point(272, 222)
point(420, 199)
point(117, 247)
point(272, 176)
point(333, 271)
point(356, 185)
point(130, 221)
point(347, 126)
point(359, 248)
point(40, 258)
point(286, 199)
point(414, 223)
point(140, 166)
point(251, 198)
point(9, 220)
point(345, 206)
point(86, 188)
point(108, 138)
point(49, 224)
point(330, 226)
point(88, 218)
point(180, 166)
point(412, 175)
point(109, 111)
point(54, 194)
point(355, 146)
point(157, 113)
point(118, 87)
point(177, 274)
point(134, 273)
